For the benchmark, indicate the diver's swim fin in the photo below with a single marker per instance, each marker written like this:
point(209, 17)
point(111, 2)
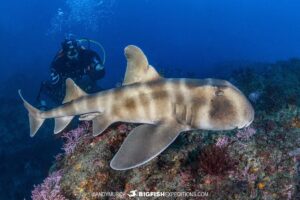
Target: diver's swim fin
point(34, 120)
point(144, 143)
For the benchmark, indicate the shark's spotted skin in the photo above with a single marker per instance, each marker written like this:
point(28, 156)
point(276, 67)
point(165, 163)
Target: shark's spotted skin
point(166, 107)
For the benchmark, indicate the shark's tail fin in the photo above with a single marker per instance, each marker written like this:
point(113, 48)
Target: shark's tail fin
point(33, 114)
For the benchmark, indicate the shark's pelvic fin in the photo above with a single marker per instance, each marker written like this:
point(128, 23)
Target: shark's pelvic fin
point(72, 91)
point(89, 116)
point(34, 120)
point(100, 123)
point(144, 143)
point(138, 68)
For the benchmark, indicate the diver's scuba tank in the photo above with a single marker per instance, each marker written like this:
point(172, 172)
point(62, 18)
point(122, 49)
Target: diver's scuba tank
point(89, 42)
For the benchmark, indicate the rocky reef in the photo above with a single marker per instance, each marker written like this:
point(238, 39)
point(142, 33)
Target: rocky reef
point(258, 162)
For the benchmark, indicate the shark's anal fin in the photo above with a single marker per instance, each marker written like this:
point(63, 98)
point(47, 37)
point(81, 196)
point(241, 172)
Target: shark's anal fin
point(144, 143)
point(100, 123)
point(61, 123)
point(138, 68)
point(72, 91)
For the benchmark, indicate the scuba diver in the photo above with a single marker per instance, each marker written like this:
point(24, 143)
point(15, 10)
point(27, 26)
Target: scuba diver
point(74, 61)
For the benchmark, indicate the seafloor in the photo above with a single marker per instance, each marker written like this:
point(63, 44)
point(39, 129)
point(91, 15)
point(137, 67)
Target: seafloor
point(259, 162)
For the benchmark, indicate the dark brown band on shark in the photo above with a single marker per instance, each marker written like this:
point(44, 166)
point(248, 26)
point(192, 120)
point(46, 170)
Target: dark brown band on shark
point(180, 113)
point(197, 104)
point(130, 104)
point(145, 101)
point(222, 111)
point(179, 98)
point(189, 116)
point(161, 94)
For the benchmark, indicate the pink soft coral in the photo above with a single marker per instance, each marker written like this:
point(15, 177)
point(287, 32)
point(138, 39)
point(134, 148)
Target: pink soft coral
point(222, 141)
point(49, 189)
point(72, 138)
point(122, 128)
point(246, 133)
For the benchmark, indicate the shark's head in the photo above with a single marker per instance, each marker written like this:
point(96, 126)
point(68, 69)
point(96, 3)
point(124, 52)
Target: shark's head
point(225, 106)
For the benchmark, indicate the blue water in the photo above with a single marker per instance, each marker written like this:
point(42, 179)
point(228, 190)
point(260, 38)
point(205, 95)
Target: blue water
point(190, 38)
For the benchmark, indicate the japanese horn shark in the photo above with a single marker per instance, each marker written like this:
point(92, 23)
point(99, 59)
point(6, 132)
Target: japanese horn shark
point(164, 107)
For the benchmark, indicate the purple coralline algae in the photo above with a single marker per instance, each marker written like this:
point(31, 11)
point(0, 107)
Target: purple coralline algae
point(49, 189)
point(72, 138)
point(246, 133)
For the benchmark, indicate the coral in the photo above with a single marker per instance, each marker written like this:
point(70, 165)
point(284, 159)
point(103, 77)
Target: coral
point(73, 137)
point(123, 128)
point(215, 160)
point(186, 177)
point(222, 141)
point(295, 123)
point(246, 133)
point(261, 185)
point(49, 189)
point(267, 125)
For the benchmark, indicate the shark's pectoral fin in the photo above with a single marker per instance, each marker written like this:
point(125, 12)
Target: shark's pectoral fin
point(61, 123)
point(144, 143)
point(100, 123)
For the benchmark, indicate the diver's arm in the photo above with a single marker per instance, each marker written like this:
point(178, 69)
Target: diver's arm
point(97, 70)
point(45, 85)
point(57, 70)
point(55, 77)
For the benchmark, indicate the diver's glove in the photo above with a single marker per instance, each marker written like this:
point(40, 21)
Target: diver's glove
point(54, 77)
point(99, 67)
point(42, 105)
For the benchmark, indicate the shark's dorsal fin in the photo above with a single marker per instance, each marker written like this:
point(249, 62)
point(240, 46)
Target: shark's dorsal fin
point(138, 68)
point(72, 91)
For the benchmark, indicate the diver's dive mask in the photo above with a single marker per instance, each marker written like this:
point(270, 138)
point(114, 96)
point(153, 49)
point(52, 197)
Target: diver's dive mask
point(71, 48)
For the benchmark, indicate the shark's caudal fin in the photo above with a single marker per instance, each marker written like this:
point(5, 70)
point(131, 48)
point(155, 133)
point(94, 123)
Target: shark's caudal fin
point(33, 114)
point(138, 68)
point(72, 92)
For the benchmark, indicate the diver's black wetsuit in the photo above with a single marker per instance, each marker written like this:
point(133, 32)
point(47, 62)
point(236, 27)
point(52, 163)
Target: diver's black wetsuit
point(82, 70)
